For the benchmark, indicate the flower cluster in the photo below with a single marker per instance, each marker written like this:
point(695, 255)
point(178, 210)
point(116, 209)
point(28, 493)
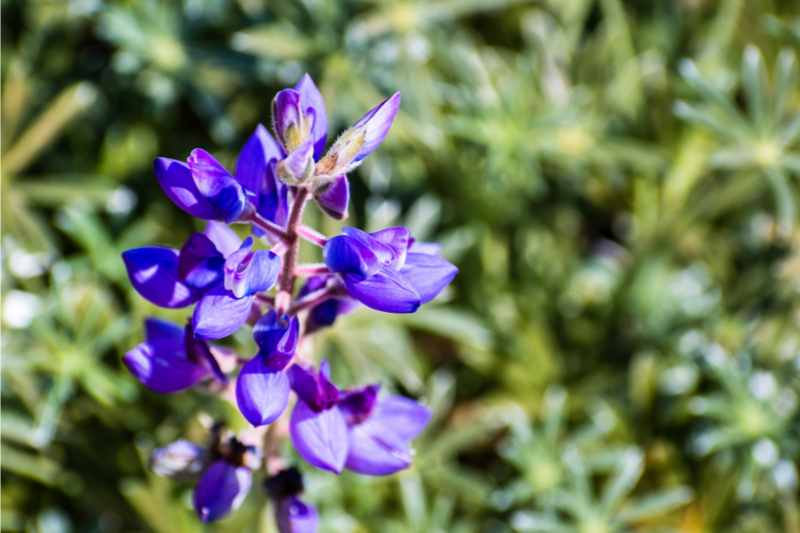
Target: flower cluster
point(232, 283)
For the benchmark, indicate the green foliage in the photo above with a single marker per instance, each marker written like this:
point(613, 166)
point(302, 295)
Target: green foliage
point(617, 181)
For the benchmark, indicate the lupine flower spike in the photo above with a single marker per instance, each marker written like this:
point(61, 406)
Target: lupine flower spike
point(234, 282)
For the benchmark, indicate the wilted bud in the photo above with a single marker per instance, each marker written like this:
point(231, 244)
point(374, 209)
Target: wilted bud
point(180, 460)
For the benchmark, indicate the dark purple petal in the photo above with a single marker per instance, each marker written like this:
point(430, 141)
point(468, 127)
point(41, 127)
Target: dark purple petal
point(314, 387)
point(319, 437)
point(215, 183)
point(312, 104)
point(199, 262)
point(384, 291)
point(326, 313)
point(428, 274)
point(346, 255)
point(277, 339)
point(249, 272)
point(312, 284)
point(334, 197)
point(256, 160)
point(376, 124)
point(295, 516)
point(156, 330)
point(381, 444)
point(219, 314)
point(224, 238)
point(357, 404)
point(261, 392)
point(179, 460)
point(161, 364)
point(176, 180)
point(153, 271)
point(221, 490)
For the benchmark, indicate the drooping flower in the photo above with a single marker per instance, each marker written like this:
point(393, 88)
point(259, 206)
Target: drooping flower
point(205, 189)
point(291, 513)
point(170, 359)
point(354, 429)
point(262, 389)
point(386, 270)
point(214, 268)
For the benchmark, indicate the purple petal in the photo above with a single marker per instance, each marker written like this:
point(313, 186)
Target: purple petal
point(216, 185)
point(312, 104)
point(384, 291)
point(153, 271)
point(398, 240)
point(261, 392)
point(376, 124)
point(334, 197)
point(298, 165)
point(319, 437)
point(276, 338)
point(248, 272)
point(407, 417)
point(314, 387)
point(288, 120)
point(176, 180)
point(224, 238)
point(346, 255)
point(428, 274)
point(256, 161)
point(156, 330)
point(295, 516)
point(221, 490)
point(326, 313)
point(199, 263)
point(380, 445)
point(179, 460)
point(219, 314)
point(161, 365)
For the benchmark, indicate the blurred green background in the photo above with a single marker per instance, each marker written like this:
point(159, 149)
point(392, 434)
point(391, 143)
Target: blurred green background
point(617, 182)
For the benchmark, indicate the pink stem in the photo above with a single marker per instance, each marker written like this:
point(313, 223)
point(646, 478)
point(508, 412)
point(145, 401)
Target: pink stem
point(311, 269)
point(311, 235)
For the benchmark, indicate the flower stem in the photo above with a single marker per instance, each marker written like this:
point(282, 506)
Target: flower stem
point(311, 269)
point(311, 235)
point(315, 298)
point(292, 240)
point(268, 226)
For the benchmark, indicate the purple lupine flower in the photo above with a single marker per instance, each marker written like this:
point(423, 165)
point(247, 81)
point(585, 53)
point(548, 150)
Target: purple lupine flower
point(356, 429)
point(325, 313)
point(205, 189)
point(170, 359)
point(386, 270)
point(291, 513)
point(223, 472)
point(262, 389)
point(211, 269)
